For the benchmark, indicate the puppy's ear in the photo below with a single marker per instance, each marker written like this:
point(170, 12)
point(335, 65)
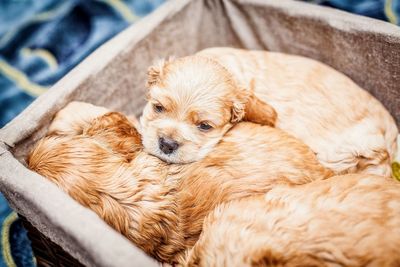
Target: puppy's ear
point(238, 108)
point(258, 111)
point(156, 72)
point(248, 107)
point(94, 197)
point(115, 130)
point(111, 212)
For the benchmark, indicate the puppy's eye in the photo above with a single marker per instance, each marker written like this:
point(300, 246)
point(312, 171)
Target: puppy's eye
point(204, 126)
point(158, 108)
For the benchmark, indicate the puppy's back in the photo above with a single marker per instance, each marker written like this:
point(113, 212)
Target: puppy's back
point(269, 151)
point(70, 161)
point(87, 170)
point(348, 128)
point(350, 220)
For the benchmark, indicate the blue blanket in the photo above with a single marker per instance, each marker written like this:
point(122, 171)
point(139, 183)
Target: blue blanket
point(41, 40)
point(388, 10)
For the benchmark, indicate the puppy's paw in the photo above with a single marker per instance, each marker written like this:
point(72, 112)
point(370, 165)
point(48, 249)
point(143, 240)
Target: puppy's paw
point(74, 117)
point(375, 162)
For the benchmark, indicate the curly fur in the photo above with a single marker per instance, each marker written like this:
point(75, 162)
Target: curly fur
point(161, 207)
point(347, 128)
point(349, 220)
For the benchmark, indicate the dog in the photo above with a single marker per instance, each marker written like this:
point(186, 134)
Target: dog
point(193, 101)
point(190, 108)
point(350, 220)
point(97, 157)
point(253, 190)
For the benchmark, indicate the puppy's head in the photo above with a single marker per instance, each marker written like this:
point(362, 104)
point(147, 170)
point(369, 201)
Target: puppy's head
point(192, 102)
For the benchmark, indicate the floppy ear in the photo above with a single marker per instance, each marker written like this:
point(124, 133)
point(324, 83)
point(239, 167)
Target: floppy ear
point(237, 111)
point(258, 111)
point(156, 72)
point(103, 204)
point(112, 212)
point(248, 107)
point(115, 130)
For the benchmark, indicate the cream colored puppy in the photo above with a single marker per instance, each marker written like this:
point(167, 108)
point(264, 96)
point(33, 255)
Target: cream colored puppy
point(299, 218)
point(350, 220)
point(97, 157)
point(193, 101)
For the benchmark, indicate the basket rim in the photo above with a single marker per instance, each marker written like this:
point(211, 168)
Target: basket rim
point(336, 18)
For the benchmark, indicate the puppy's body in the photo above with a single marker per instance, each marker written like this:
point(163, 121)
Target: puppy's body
point(161, 207)
point(349, 130)
point(350, 220)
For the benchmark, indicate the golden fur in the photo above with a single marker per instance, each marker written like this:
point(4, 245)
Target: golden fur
point(99, 160)
point(215, 212)
point(347, 128)
point(350, 220)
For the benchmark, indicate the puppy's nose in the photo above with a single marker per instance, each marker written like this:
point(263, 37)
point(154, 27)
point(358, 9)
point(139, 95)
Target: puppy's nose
point(167, 145)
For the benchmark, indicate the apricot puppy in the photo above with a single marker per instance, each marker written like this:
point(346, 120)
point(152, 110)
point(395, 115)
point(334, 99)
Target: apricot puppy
point(194, 100)
point(97, 157)
point(192, 103)
point(349, 220)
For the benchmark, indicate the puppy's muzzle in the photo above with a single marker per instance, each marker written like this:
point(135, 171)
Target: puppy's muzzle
point(167, 145)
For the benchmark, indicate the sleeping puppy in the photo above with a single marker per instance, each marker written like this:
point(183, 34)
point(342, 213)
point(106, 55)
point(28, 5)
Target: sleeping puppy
point(193, 101)
point(350, 220)
point(98, 158)
point(161, 207)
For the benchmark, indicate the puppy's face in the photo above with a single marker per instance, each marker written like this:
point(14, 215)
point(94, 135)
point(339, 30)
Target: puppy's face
point(192, 102)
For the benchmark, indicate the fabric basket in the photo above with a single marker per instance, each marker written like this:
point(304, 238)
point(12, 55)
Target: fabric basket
point(65, 233)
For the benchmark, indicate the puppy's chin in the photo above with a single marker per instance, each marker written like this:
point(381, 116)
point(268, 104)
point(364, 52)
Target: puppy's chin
point(185, 154)
point(193, 147)
point(171, 158)
point(178, 157)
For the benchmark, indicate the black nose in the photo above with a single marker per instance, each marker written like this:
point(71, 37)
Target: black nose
point(167, 145)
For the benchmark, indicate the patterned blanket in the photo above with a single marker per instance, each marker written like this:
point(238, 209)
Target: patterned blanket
point(388, 10)
point(40, 41)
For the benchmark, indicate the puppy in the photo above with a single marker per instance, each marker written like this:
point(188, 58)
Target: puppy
point(194, 100)
point(162, 207)
point(350, 220)
point(99, 160)
point(192, 103)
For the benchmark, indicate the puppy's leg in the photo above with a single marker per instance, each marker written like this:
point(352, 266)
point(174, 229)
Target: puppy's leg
point(258, 111)
point(74, 117)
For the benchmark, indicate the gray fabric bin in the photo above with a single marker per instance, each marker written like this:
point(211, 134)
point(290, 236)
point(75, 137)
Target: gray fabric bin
point(114, 75)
